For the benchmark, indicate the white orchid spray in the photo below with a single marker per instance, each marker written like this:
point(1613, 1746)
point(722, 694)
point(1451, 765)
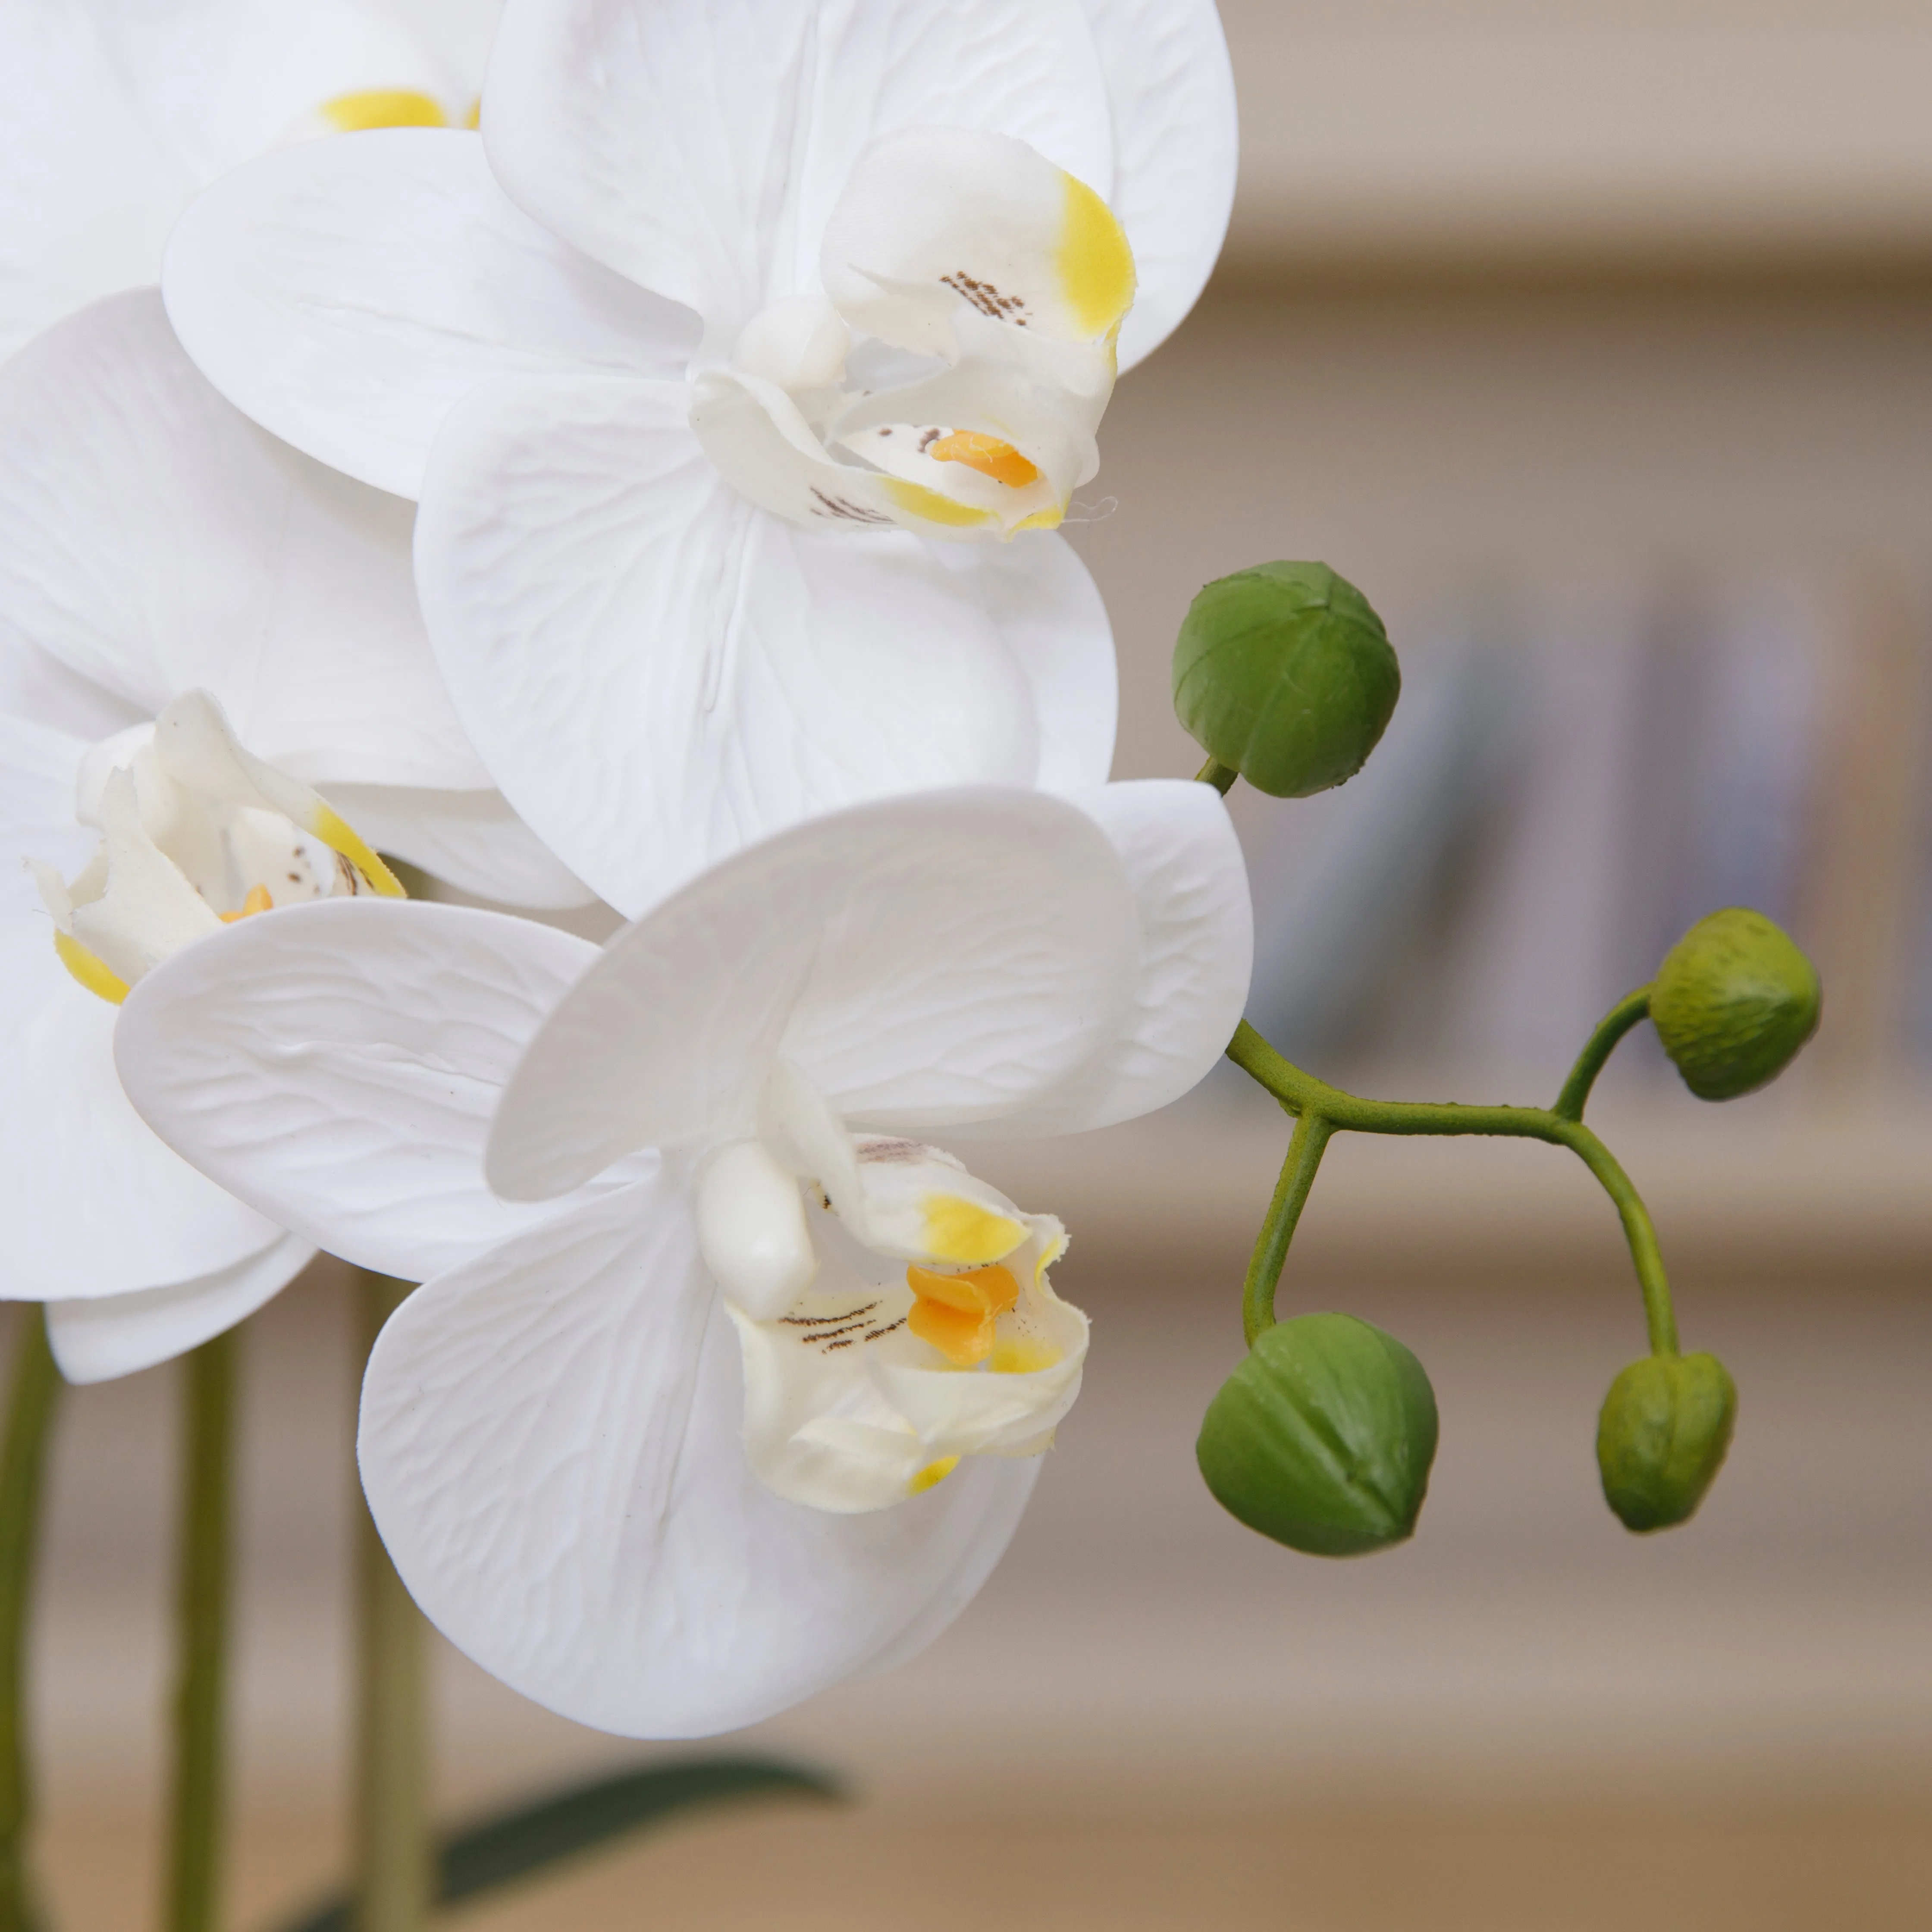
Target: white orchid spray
point(114, 114)
point(751, 1396)
point(210, 661)
point(704, 358)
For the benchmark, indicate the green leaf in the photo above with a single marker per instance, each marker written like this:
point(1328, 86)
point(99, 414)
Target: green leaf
point(533, 1837)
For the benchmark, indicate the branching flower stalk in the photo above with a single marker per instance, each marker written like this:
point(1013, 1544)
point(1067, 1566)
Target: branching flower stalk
point(1320, 1111)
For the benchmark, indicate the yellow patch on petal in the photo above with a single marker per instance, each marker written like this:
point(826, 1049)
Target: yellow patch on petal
point(474, 118)
point(933, 1475)
point(987, 454)
point(1096, 265)
point(93, 974)
point(257, 901)
point(958, 1230)
point(918, 501)
point(339, 836)
point(383, 107)
point(1022, 1355)
point(1040, 519)
point(954, 1313)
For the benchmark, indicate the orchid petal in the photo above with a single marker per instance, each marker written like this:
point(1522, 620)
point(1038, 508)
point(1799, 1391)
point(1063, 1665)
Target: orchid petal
point(1047, 607)
point(937, 219)
point(550, 1445)
point(118, 1334)
point(940, 958)
point(337, 1064)
point(346, 292)
point(1196, 955)
point(470, 839)
point(93, 1203)
point(114, 115)
point(155, 541)
point(657, 673)
point(698, 146)
point(1175, 151)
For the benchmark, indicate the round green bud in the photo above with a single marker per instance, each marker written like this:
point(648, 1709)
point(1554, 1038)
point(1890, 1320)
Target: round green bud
point(1733, 1002)
point(1284, 673)
point(1661, 1438)
point(1323, 1438)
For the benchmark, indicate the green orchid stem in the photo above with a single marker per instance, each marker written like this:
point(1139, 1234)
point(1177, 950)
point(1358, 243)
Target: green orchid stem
point(31, 1409)
point(1312, 1131)
point(1629, 1011)
point(1304, 1095)
point(1220, 776)
point(395, 1856)
point(202, 1591)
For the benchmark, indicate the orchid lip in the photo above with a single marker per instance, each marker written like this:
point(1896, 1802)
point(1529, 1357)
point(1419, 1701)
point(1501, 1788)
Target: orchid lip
point(197, 834)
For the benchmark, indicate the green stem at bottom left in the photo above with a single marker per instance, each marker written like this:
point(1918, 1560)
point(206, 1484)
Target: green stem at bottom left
point(30, 1415)
point(203, 1593)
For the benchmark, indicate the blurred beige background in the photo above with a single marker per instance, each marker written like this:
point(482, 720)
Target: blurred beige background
point(1600, 330)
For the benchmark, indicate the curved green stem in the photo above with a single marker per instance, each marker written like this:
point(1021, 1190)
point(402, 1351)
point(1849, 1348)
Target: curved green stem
point(395, 1860)
point(1628, 1011)
point(31, 1409)
point(1303, 1095)
point(202, 1591)
point(1215, 773)
point(1297, 1176)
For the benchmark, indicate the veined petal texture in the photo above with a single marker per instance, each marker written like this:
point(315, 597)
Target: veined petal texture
point(550, 1445)
point(1176, 149)
point(156, 541)
point(935, 960)
point(658, 674)
point(697, 146)
point(345, 293)
point(337, 1064)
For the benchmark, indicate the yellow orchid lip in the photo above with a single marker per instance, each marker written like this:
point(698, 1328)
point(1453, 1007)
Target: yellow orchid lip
point(956, 1313)
point(92, 972)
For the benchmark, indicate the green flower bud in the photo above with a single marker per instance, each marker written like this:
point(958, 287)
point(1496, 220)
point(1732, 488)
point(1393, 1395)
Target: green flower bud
point(1323, 1438)
point(1661, 1438)
point(1286, 675)
point(1733, 1002)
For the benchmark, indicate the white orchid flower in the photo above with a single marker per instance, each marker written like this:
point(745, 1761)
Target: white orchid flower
point(727, 302)
point(114, 114)
point(210, 661)
point(759, 1403)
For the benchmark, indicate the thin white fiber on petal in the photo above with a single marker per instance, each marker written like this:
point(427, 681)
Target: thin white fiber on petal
point(939, 959)
point(550, 1444)
point(345, 293)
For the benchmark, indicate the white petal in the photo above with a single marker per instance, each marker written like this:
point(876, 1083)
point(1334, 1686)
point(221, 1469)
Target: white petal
point(752, 1230)
point(155, 541)
point(1196, 957)
point(117, 1334)
point(112, 116)
point(550, 1445)
point(940, 958)
point(93, 1203)
point(337, 1064)
point(697, 146)
point(937, 220)
point(1175, 143)
point(471, 839)
point(657, 673)
point(346, 292)
point(1048, 609)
